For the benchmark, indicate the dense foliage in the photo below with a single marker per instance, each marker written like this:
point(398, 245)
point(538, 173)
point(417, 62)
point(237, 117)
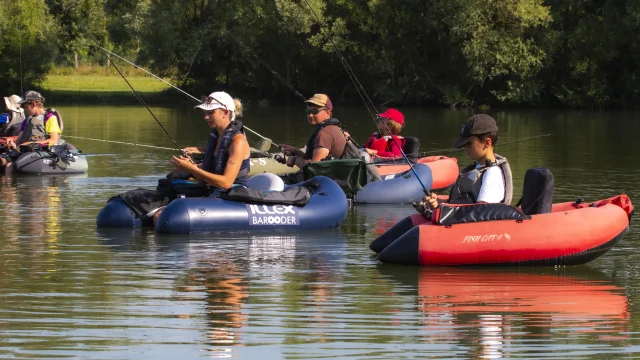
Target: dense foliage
point(580, 53)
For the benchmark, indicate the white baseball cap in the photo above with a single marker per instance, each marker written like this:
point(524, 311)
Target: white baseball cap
point(217, 100)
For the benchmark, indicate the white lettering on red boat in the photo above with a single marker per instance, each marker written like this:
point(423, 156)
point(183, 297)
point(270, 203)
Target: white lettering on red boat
point(486, 238)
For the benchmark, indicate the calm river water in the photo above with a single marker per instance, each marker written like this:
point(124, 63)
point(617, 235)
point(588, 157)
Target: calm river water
point(68, 290)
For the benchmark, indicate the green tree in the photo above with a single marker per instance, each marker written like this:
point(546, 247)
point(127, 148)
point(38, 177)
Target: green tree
point(81, 24)
point(26, 44)
point(125, 23)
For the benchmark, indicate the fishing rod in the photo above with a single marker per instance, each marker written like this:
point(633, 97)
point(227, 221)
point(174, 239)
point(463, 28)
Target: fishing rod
point(145, 105)
point(449, 150)
point(357, 84)
point(171, 85)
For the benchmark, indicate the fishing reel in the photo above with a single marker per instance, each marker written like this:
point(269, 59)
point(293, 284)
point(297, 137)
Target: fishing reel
point(280, 159)
point(423, 208)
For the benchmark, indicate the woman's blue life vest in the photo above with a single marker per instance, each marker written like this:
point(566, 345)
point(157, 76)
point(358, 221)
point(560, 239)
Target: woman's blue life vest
point(216, 163)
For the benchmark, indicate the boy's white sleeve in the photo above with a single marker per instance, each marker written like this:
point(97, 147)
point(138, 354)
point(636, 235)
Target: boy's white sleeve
point(492, 189)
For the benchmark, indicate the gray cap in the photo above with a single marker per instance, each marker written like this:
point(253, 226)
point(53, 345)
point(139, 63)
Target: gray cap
point(32, 96)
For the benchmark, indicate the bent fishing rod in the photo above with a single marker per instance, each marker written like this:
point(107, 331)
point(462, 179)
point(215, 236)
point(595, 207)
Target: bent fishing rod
point(358, 85)
point(168, 83)
point(145, 105)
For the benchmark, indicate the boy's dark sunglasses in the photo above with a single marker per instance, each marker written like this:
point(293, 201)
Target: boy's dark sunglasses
point(314, 111)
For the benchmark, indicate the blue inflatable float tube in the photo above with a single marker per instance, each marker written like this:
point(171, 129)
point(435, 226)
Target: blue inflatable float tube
point(326, 209)
point(402, 189)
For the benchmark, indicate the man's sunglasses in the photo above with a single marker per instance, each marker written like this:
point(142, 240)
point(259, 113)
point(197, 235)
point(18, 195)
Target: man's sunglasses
point(314, 111)
point(204, 99)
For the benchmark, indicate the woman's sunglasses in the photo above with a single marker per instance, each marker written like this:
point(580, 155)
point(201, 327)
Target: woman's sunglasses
point(314, 111)
point(204, 99)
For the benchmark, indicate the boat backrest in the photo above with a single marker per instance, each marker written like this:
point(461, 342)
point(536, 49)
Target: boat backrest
point(265, 181)
point(411, 146)
point(537, 192)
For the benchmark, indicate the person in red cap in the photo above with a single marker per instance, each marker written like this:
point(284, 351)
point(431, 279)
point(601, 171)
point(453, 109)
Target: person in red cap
point(386, 142)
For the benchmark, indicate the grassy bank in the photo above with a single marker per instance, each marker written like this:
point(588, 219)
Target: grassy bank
point(107, 88)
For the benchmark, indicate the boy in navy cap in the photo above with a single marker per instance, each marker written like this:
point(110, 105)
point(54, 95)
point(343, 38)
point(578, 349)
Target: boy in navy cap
point(488, 178)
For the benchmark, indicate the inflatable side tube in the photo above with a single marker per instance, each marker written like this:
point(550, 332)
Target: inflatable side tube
point(326, 209)
point(402, 189)
point(39, 163)
point(396, 231)
point(118, 214)
point(405, 250)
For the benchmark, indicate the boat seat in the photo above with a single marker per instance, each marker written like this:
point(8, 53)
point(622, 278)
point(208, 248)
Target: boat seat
point(537, 192)
point(265, 181)
point(411, 146)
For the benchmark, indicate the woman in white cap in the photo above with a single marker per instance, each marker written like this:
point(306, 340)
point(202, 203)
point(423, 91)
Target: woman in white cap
point(227, 154)
point(11, 120)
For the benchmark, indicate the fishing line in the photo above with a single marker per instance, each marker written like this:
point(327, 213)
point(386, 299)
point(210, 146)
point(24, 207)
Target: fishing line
point(168, 83)
point(144, 104)
point(20, 45)
point(120, 142)
point(352, 75)
point(449, 150)
point(196, 52)
point(283, 80)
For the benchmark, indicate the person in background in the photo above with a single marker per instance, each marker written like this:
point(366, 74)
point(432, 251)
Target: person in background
point(327, 139)
point(41, 126)
point(386, 142)
point(227, 154)
point(11, 121)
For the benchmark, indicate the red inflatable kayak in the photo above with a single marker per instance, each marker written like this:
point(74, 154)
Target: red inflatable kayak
point(572, 233)
point(444, 170)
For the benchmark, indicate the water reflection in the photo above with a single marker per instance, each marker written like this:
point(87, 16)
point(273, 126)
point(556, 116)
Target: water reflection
point(31, 217)
point(235, 282)
point(492, 312)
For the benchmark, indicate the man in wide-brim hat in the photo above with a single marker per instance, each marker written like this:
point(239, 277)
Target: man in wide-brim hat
point(10, 123)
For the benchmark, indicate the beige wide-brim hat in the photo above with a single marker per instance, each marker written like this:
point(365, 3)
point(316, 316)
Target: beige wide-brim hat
point(12, 102)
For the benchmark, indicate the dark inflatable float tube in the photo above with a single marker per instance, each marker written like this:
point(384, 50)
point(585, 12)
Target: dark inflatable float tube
point(47, 163)
point(327, 208)
point(402, 189)
point(118, 214)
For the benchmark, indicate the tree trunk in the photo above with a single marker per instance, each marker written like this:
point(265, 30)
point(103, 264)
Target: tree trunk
point(75, 59)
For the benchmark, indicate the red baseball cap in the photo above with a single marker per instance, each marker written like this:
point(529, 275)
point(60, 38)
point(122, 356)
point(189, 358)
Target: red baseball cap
point(394, 115)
